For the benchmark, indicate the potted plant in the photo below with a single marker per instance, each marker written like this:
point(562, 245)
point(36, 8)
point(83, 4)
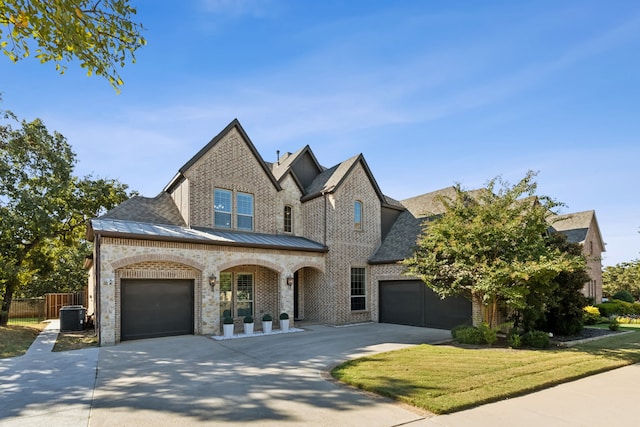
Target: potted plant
point(227, 326)
point(267, 323)
point(284, 322)
point(248, 325)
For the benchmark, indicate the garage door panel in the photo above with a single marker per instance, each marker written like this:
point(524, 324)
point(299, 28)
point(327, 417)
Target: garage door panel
point(156, 308)
point(411, 302)
point(403, 304)
point(447, 313)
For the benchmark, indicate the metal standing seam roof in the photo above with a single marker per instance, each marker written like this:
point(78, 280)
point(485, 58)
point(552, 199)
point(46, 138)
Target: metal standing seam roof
point(121, 228)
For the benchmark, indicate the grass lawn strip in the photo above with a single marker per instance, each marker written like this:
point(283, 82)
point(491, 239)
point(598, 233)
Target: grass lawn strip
point(75, 340)
point(15, 340)
point(444, 379)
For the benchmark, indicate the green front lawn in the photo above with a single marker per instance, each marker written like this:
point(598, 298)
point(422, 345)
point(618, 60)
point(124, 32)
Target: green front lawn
point(443, 379)
point(15, 340)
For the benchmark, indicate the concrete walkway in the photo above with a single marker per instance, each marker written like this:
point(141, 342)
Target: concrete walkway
point(265, 381)
point(46, 388)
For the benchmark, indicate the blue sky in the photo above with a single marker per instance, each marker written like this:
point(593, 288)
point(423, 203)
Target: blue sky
point(432, 93)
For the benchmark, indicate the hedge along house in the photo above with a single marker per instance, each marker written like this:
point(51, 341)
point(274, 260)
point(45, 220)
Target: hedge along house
point(233, 235)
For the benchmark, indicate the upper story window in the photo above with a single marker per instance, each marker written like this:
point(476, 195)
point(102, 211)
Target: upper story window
point(245, 212)
point(223, 210)
point(357, 215)
point(288, 219)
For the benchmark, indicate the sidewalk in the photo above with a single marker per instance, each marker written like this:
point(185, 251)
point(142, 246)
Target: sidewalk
point(40, 384)
point(610, 398)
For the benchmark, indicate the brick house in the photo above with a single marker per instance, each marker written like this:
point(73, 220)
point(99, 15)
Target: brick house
point(582, 228)
point(234, 235)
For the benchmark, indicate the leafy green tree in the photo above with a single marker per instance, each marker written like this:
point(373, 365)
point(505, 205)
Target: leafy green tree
point(43, 209)
point(624, 276)
point(100, 34)
point(492, 247)
point(561, 310)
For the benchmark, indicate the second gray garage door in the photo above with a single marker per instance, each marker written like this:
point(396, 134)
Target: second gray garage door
point(156, 308)
point(411, 302)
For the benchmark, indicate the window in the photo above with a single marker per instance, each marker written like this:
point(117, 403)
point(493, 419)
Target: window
point(244, 296)
point(222, 207)
point(288, 219)
point(226, 295)
point(223, 210)
point(357, 215)
point(245, 211)
point(236, 301)
point(358, 289)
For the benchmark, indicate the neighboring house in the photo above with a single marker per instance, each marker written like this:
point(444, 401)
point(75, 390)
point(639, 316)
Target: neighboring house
point(234, 235)
point(582, 228)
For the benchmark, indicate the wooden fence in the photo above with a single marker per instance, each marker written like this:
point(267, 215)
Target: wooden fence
point(27, 308)
point(54, 302)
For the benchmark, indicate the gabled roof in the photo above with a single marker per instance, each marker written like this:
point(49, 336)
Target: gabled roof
point(234, 124)
point(576, 226)
point(166, 232)
point(158, 210)
point(400, 241)
point(331, 179)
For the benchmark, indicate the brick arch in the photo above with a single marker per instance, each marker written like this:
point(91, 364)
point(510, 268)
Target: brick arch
point(157, 258)
point(317, 265)
point(250, 261)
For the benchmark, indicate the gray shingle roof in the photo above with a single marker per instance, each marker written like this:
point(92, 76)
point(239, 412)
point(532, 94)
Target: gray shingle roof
point(164, 232)
point(400, 241)
point(573, 225)
point(280, 168)
point(328, 180)
point(157, 210)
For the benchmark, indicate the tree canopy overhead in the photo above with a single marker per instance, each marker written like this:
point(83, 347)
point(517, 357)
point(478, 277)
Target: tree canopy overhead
point(100, 34)
point(43, 211)
point(491, 246)
point(624, 276)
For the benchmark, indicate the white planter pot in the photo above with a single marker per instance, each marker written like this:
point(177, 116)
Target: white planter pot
point(284, 325)
point(248, 328)
point(228, 330)
point(266, 326)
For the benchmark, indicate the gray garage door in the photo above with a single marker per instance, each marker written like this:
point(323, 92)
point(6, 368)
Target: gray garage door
point(156, 308)
point(411, 302)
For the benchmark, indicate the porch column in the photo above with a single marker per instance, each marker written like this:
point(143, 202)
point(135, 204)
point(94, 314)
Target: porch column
point(210, 303)
point(286, 295)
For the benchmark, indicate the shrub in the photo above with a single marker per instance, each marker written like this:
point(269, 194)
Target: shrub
point(614, 325)
point(514, 339)
point(618, 307)
point(489, 335)
point(284, 316)
point(248, 319)
point(536, 339)
point(623, 296)
point(267, 318)
point(468, 335)
point(227, 320)
point(591, 315)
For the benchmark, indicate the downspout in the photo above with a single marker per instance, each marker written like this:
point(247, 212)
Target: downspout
point(324, 195)
point(98, 301)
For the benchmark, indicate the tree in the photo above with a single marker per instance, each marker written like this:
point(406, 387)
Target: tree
point(100, 34)
point(561, 310)
point(492, 247)
point(624, 276)
point(43, 208)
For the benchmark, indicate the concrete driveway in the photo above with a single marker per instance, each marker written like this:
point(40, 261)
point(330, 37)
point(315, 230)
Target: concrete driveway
point(190, 380)
point(268, 380)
